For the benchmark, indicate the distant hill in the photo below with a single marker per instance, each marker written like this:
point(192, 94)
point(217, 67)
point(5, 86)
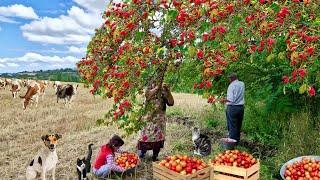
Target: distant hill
point(68, 75)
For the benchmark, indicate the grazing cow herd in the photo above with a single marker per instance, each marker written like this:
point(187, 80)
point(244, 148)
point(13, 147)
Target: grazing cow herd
point(36, 88)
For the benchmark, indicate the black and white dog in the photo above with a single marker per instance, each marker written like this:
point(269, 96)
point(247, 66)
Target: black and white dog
point(46, 159)
point(66, 92)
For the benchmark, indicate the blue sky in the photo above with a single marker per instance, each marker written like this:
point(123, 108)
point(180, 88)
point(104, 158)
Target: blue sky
point(46, 34)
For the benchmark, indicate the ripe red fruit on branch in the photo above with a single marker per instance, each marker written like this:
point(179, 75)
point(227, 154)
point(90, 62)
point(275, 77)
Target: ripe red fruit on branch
point(173, 42)
point(205, 37)
point(145, 15)
point(285, 79)
point(200, 54)
point(312, 91)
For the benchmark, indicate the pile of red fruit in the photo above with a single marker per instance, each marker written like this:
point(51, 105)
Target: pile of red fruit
point(304, 169)
point(234, 158)
point(127, 160)
point(183, 164)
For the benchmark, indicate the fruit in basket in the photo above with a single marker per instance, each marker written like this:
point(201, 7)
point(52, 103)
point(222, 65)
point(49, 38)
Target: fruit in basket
point(307, 168)
point(127, 160)
point(234, 158)
point(183, 164)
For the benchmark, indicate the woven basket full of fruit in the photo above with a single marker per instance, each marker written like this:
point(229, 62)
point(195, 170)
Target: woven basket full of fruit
point(128, 161)
point(304, 167)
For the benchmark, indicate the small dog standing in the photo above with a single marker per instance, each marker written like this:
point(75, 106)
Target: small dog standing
point(46, 159)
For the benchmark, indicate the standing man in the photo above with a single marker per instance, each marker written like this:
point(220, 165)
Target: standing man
point(235, 106)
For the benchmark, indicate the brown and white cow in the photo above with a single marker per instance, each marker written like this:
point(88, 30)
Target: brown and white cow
point(66, 92)
point(42, 88)
point(15, 88)
point(56, 84)
point(32, 94)
point(7, 82)
point(46, 82)
point(28, 82)
point(23, 83)
point(2, 84)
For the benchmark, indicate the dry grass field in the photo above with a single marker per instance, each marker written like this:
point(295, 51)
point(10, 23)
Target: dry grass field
point(21, 131)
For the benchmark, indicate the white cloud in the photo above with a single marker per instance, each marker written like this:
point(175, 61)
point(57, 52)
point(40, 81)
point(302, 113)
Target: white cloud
point(12, 65)
point(35, 57)
point(34, 65)
point(18, 10)
point(8, 20)
point(75, 28)
point(34, 61)
point(38, 58)
point(77, 50)
point(92, 5)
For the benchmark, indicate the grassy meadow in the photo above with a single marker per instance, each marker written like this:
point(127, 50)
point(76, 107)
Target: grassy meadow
point(21, 131)
point(20, 138)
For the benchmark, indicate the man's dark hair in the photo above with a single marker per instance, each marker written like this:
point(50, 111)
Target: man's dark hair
point(115, 141)
point(233, 76)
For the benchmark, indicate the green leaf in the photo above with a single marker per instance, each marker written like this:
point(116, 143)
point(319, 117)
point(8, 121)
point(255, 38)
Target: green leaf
point(236, 20)
point(213, 44)
point(270, 57)
point(172, 14)
point(138, 36)
point(275, 7)
point(303, 88)
point(317, 22)
point(204, 27)
point(191, 51)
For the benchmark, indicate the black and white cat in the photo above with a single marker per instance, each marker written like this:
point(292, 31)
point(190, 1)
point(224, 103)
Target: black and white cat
point(84, 165)
point(202, 143)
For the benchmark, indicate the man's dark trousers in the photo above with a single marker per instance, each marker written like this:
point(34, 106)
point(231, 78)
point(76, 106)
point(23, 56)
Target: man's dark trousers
point(234, 115)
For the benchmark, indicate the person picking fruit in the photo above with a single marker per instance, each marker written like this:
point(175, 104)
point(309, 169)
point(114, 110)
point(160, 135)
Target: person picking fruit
point(152, 136)
point(235, 106)
point(105, 161)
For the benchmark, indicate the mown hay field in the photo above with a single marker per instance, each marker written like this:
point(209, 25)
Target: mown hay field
point(21, 130)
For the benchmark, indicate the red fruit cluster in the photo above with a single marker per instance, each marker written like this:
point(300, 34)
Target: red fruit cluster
point(127, 160)
point(304, 169)
point(211, 99)
point(234, 158)
point(183, 164)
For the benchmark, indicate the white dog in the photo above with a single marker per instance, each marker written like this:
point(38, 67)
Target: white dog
point(46, 159)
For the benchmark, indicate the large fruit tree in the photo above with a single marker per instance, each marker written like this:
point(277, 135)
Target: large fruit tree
point(271, 44)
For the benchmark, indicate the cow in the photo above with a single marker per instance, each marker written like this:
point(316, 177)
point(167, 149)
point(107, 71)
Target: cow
point(32, 94)
point(7, 82)
point(42, 88)
point(56, 84)
point(2, 84)
point(23, 83)
point(28, 82)
point(66, 92)
point(15, 88)
point(46, 83)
